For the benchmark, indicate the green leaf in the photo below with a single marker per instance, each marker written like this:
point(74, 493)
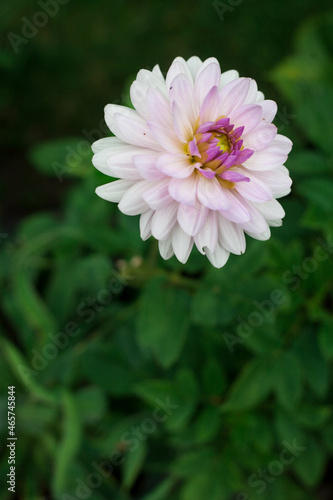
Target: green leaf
point(207, 424)
point(252, 386)
point(91, 404)
point(204, 485)
point(313, 364)
point(326, 339)
point(163, 322)
point(162, 491)
point(319, 192)
point(214, 377)
point(62, 157)
point(68, 446)
point(309, 466)
point(205, 307)
point(134, 461)
point(288, 385)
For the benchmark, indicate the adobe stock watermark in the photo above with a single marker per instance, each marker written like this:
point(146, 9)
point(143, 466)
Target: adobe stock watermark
point(293, 278)
point(275, 468)
point(87, 309)
point(222, 8)
point(30, 27)
point(130, 441)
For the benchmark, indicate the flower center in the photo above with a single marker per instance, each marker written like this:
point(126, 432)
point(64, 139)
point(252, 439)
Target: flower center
point(217, 150)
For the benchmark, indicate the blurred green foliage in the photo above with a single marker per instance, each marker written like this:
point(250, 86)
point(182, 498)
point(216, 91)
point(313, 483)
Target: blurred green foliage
point(143, 379)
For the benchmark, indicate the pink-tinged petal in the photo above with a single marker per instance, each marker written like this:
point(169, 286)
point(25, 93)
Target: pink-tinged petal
point(255, 190)
point(210, 106)
point(146, 165)
point(182, 244)
point(260, 137)
point(212, 194)
point(231, 236)
point(175, 165)
point(194, 63)
point(178, 67)
point(132, 203)
point(207, 172)
point(159, 108)
point(218, 258)
point(208, 76)
point(247, 116)
point(123, 167)
point(145, 224)
point(272, 156)
point(252, 93)
point(129, 126)
point(237, 212)
point(158, 195)
point(257, 224)
point(194, 148)
point(184, 190)
point(271, 210)
point(138, 95)
point(181, 124)
point(244, 156)
point(181, 92)
point(165, 248)
point(277, 180)
point(207, 238)
point(269, 110)
point(233, 95)
point(227, 77)
point(230, 175)
point(191, 219)
point(110, 143)
point(114, 191)
point(166, 138)
point(152, 79)
point(164, 220)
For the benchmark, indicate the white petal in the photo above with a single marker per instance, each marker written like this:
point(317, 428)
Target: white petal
point(210, 106)
point(182, 244)
point(165, 248)
point(194, 64)
point(152, 79)
point(114, 191)
point(159, 108)
point(237, 212)
point(257, 224)
point(129, 126)
point(108, 142)
point(227, 77)
point(122, 152)
point(271, 210)
point(255, 190)
point(138, 94)
point(181, 92)
point(277, 180)
point(208, 236)
point(233, 95)
point(132, 203)
point(157, 196)
point(166, 138)
point(164, 221)
point(175, 165)
point(218, 258)
point(247, 116)
point(231, 236)
point(145, 224)
point(146, 165)
point(260, 137)
point(260, 236)
point(269, 110)
point(191, 219)
point(252, 92)
point(212, 194)
point(178, 67)
point(208, 76)
point(184, 190)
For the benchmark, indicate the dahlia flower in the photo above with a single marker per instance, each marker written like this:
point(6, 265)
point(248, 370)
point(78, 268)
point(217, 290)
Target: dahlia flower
point(198, 158)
